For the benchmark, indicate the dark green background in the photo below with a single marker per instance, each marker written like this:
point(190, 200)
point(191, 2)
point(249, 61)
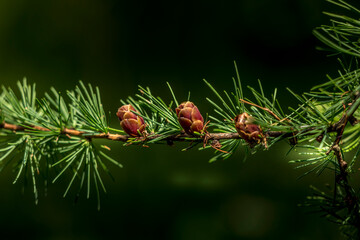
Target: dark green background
point(163, 193)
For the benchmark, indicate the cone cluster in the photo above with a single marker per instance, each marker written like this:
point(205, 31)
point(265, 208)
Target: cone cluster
point(191, 121)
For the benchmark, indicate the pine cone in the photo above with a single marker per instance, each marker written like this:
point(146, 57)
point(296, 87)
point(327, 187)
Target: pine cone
point(190, 118)
point(248, 131)
point(131, 123)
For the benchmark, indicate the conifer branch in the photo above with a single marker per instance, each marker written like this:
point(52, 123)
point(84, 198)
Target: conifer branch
point(57, 131)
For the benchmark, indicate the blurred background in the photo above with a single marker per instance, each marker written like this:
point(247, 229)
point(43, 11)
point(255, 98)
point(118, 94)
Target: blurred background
point(162, 193)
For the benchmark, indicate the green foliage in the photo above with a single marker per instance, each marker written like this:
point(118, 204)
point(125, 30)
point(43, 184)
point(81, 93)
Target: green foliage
point(34, 152)
point(342, 36)
point(226, 111)
point(88, 112)
point(21, 110)
point(84, 159)
point(162, 114)
point(316, 158)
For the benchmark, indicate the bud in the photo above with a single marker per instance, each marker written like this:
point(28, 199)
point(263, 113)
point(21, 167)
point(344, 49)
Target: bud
point(248, 131)
point(189, 117)
point(132, 124)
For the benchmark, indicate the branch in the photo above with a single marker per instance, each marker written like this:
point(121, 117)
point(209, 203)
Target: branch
point(350, 200)
point(340, 125)
point(123, 138)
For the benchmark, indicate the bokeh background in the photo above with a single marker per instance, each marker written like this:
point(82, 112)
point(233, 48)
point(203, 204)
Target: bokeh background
point(162, 193)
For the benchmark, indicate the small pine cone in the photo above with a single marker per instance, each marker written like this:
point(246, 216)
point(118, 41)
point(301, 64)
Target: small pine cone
point(248, 131)
point(189, 117)
point(131, 123)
